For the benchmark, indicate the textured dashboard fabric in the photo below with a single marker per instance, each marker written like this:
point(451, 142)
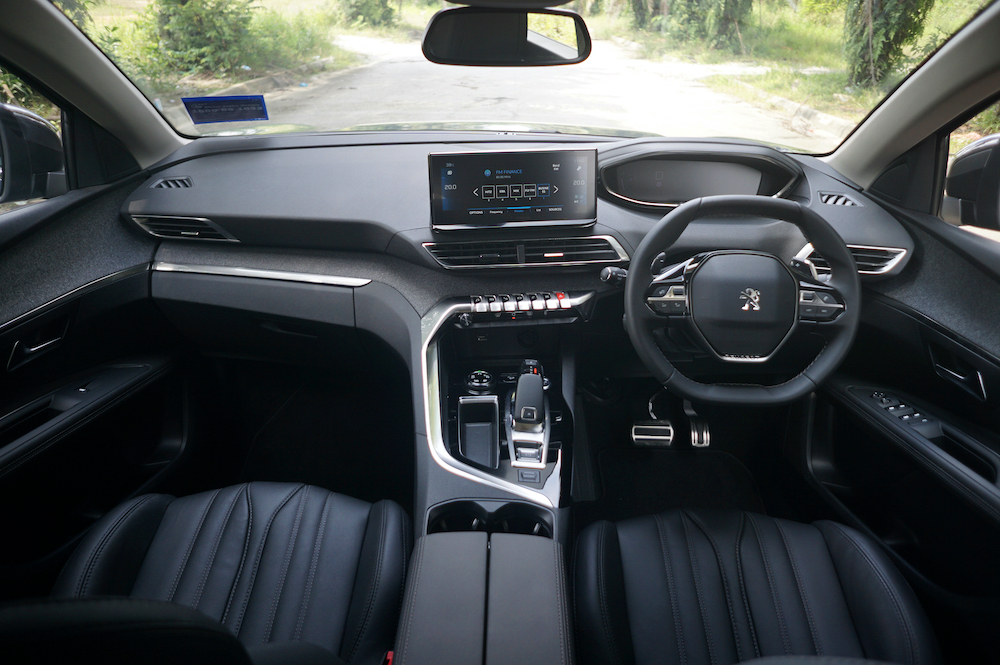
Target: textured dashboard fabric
point(945, 287)
point(272, 562)
point(720, 587)
point(78, 247)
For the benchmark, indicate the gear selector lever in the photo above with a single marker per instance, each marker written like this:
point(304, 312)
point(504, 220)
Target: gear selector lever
point(529, 436)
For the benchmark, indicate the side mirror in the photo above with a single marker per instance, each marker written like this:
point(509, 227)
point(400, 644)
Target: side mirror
point(972, 188)
point(31, 156)
point(492, 37)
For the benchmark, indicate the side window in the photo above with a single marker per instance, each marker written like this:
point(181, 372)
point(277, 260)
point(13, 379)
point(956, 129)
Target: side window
point(32, 167)
point(972, 187)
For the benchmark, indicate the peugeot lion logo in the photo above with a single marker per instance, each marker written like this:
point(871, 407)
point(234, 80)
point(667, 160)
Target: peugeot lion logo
point(752, 297)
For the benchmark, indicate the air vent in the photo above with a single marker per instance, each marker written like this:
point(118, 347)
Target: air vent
point(194, 228)
point(182, 182)
point(870, 260)
point(527, 253)
point(835, 199)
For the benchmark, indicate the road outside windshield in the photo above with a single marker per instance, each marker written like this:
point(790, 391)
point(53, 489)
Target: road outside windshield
point(797, 73)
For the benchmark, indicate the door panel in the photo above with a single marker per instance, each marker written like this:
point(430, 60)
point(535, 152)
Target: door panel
point(92, 402)
point(905, 441)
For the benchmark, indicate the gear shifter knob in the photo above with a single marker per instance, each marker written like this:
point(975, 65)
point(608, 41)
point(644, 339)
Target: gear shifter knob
point(529, 401)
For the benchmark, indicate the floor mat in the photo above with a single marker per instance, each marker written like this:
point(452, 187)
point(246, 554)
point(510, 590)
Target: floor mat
point(641, 482)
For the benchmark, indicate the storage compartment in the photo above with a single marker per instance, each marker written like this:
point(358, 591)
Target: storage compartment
point(490, 517)
point(479, 429)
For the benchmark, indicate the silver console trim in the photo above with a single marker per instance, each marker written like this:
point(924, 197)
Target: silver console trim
point(255, 273)
point(430, 325)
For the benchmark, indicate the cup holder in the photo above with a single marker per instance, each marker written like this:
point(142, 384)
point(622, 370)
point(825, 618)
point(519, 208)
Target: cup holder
point(490, 517)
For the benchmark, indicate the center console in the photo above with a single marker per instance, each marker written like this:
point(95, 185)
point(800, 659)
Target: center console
point(487, 582)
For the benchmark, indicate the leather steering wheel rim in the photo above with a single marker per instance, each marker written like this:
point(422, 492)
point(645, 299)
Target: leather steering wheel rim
point(824, 238)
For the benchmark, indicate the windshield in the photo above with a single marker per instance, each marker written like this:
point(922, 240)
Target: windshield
point(796, 73)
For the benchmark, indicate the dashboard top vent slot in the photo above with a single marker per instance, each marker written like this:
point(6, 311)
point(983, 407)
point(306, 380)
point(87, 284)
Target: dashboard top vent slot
point(179, 182)
point(870, 260)
point(527, 253)
point(190, 228)
point(838, 199)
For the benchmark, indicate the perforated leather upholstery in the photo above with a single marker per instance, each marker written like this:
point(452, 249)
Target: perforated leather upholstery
point(720, 587)
point(272, 562)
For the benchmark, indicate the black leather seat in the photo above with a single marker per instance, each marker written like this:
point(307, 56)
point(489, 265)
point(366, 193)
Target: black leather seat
point(720, 587)
point(271, 562)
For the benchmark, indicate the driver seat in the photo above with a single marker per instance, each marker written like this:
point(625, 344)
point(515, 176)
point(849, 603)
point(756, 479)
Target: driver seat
point(720, 587)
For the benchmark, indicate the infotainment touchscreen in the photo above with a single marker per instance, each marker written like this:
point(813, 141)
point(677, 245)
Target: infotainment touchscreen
point(527, 188)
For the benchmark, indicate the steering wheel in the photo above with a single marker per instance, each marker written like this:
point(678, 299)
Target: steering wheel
point(742, 305)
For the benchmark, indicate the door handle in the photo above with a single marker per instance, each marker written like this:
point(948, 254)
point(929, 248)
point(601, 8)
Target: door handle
point(22, 353)
point(959, 371)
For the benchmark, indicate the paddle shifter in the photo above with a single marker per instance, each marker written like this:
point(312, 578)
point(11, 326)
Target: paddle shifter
point(529, 415)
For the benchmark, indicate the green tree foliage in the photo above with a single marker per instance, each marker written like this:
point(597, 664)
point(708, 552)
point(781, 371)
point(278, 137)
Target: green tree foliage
point(375, 13)
point(714, 22)
point(210, 35)
point(876, 31)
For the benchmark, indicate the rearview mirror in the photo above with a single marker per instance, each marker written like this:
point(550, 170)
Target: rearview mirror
point(491, 37)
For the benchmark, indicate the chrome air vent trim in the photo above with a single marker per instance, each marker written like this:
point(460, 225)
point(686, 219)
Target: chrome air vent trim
point(229, 271)
point(839, 199)
point(182, 228)
point(871, 260)
point(175, 182)
point(530, 253)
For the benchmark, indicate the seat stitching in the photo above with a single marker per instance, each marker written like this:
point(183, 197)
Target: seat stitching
point(259, 556)
point(817, 647)
point(190, 547)
point(770, 582)
point(370, 602)
point(413, 602)
point(215, 551)
point(284, 566)
point(82, 587)
point(243, 556)
point(317, 546)
point(697, 587)
point(914, 656)
point(725, 584)
point(843, 594)
point(671, 590)
point(742, 580)
point(559, 602)
point(602, 596)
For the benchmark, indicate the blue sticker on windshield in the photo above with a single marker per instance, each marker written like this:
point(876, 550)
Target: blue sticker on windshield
point(241, 108)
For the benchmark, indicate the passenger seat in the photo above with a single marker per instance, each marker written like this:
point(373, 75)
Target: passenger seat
point(273, 563)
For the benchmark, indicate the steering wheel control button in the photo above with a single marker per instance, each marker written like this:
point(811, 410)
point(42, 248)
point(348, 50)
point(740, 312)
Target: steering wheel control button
point(668, 299)
point(743, 304)
point(818, 305)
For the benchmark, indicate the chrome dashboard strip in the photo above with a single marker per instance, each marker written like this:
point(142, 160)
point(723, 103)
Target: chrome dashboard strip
point(280, 275)
point(430, 325)
point(80, 290)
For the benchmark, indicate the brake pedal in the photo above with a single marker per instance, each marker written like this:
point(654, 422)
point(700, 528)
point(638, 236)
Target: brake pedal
point(653, 433)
